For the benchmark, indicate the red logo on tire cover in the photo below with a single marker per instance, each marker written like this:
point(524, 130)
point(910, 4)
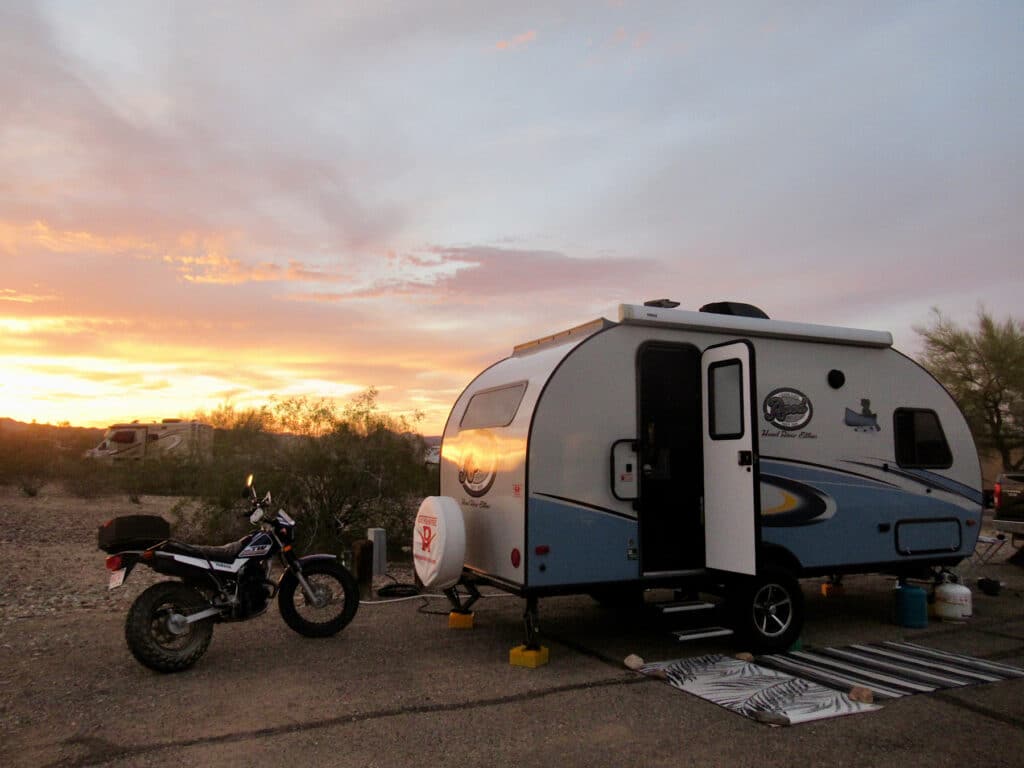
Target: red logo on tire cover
point(427, 536)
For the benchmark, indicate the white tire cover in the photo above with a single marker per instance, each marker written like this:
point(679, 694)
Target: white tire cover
point(439, 542)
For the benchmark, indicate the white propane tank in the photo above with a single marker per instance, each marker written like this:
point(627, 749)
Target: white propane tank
point(439, 542)
point(953, 602)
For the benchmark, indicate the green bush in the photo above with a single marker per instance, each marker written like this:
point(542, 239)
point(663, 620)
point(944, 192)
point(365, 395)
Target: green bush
point(336, 471)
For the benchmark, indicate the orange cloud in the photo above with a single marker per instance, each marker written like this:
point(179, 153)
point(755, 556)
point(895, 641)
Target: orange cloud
point(9, 294)
point(518, 41)
point(197, 257)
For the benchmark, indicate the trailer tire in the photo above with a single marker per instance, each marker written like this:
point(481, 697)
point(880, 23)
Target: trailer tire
point(768, 610)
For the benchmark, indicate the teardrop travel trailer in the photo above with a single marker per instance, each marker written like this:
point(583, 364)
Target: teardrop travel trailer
point(703, 451)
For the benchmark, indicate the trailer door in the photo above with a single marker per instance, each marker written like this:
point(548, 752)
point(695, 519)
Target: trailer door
point(731, 477)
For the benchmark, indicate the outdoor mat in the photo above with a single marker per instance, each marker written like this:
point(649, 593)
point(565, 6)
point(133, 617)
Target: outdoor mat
point(766, 695)
point(889, 670)
point(805, 685)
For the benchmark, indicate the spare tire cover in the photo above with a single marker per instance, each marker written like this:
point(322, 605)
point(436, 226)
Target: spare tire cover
point(439, 542)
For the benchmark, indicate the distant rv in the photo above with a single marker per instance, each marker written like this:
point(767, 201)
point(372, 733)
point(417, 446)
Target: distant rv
point(147, 440)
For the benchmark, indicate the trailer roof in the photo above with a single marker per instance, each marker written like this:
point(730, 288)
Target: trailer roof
point(635, 314)
point(577, 332)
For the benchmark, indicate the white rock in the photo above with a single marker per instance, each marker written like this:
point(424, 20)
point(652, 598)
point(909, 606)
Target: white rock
point(633, 661)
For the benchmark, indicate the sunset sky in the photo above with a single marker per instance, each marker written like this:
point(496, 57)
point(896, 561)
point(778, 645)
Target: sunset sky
point(216, 202)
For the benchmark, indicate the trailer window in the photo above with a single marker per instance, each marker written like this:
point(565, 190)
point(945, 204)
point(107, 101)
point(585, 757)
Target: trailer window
point(493, 407)
point(920, 441)
point(124, 437)
point(725, 400)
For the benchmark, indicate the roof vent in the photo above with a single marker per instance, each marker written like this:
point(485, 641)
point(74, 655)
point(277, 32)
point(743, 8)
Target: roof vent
point(662, 303)
point(735, 308)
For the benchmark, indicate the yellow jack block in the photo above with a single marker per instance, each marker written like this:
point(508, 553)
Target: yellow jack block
point(458, 620)
point(832, 590)
point(521, 656)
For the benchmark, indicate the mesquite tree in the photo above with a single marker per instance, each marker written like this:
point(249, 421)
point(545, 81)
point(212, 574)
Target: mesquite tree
point(983, 369)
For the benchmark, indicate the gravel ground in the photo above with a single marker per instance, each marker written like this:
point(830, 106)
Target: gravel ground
point(398, 686)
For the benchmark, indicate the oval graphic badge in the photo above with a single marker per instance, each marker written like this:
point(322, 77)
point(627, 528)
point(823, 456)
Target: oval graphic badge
point(479, 465)
point(788, 409)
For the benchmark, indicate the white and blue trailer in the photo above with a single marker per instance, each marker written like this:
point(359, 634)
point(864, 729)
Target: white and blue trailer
point(706, 450)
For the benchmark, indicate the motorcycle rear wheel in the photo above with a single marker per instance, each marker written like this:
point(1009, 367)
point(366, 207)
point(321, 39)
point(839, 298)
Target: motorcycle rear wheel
point(150, 637)
point(332, 581)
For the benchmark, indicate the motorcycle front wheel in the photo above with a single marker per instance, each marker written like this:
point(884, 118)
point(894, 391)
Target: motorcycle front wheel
point(156, 633)
point(336, 598)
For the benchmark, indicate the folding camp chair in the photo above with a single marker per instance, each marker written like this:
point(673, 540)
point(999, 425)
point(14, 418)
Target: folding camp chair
point(987, 547)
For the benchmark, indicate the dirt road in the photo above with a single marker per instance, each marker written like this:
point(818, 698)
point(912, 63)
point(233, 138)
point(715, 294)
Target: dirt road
point(398, 687)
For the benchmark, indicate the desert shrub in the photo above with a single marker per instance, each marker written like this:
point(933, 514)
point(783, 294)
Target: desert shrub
point(89, 479)
point(337, 472)
point(27, 461)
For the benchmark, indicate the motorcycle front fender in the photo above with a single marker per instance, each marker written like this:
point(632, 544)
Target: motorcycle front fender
point(311, 558)
point(302, 561)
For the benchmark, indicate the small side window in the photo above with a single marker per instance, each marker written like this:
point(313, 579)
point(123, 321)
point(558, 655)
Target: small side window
point(920, 441)
point(493, 407)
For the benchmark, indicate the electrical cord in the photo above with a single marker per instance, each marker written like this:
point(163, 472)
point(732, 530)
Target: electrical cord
point(400, 592)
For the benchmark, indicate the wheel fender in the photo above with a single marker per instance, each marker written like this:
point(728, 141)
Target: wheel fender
point(290, 574)
point(312, 558)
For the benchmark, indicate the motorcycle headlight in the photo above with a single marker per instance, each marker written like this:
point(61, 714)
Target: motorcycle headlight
point(256, 516)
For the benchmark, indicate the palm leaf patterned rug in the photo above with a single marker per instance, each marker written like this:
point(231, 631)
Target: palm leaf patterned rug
point(800, 686)
point(762, 694)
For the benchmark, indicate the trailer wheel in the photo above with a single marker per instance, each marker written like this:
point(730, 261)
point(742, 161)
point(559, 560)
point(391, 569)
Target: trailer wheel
point(768, 610)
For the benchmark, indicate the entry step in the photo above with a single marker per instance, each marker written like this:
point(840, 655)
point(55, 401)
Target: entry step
point(683, 606)
point(684, 635)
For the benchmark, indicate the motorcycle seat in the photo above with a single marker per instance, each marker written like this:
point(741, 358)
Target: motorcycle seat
point(225, 553)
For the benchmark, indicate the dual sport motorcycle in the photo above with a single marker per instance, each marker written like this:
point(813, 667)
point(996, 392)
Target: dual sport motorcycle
point(170, 625)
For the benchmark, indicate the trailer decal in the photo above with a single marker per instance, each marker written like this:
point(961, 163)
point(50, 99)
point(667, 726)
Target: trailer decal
point(788, 409)
point(863, 420)
point(927, 479)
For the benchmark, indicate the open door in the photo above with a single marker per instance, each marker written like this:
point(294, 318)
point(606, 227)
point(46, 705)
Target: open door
point(732, 500)
point(669, 459)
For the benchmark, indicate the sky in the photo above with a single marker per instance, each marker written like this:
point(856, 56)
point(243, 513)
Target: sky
point(219, 203)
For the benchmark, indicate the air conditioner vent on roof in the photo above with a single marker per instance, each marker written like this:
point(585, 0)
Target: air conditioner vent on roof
point(735, 308)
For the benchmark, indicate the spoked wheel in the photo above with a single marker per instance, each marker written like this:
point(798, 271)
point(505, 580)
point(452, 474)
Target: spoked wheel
point(769, 611)
point(157, 633)
point(333, 605)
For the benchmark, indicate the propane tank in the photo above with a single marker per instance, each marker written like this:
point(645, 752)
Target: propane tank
point(952, 602)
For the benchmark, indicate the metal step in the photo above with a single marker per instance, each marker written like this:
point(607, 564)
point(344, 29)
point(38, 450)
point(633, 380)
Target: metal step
point(684, 635)
point(683, 606)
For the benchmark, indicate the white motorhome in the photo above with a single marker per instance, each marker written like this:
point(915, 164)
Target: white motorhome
point(140, 440)
point(716, 450)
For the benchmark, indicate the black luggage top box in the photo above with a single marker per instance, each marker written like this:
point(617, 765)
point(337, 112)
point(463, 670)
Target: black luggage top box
point(132, 532)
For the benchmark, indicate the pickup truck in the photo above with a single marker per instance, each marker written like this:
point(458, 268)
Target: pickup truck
point(1008, 495)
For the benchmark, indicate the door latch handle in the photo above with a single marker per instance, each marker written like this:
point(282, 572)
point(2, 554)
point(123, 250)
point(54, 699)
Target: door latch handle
point(746, 458)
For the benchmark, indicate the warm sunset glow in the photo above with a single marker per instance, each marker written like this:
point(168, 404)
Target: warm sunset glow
point(195, 213)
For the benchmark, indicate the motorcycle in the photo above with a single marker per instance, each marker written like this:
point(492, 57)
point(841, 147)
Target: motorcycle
point(170, 625)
